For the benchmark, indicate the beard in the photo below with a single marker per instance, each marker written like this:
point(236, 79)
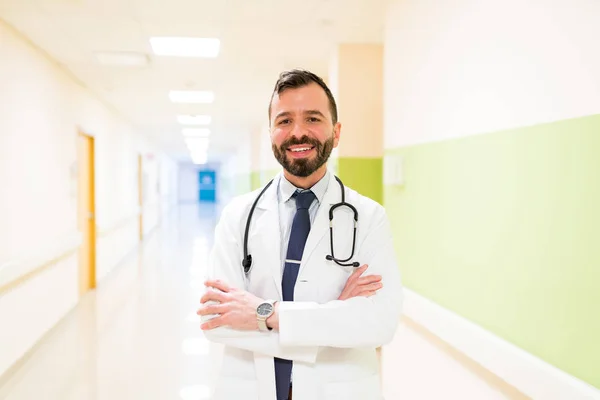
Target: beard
point(303, 167)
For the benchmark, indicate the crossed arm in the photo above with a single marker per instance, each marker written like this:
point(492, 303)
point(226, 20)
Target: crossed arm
point(365, 314)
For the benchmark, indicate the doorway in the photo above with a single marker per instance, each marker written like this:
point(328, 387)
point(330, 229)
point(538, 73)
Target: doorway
point(207, 186)
point(86, 218)
point(141, 195)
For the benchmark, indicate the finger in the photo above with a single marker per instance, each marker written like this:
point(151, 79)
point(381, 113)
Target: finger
point(369, 279)
point(373, 287)
point(213, 323)
point(213, 309)
point(365, 293)
point(358, 272)
point(218, 284)
point(213, 295)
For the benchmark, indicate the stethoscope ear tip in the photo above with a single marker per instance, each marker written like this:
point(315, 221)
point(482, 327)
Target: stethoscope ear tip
point(355, 264)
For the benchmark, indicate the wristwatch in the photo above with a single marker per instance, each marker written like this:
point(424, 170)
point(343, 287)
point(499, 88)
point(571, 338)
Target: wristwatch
point(264, 311)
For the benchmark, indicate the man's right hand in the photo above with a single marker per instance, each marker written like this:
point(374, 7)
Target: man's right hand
point(361, 286)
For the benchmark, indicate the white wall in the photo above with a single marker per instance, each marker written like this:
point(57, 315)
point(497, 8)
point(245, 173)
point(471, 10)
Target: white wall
point(41, 109)
point(463, 67)
point(168, 184)
point(188, 183)
point(267, 159)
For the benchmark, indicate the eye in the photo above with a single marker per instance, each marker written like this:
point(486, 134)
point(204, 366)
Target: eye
point(284, 122)
point(313, 119)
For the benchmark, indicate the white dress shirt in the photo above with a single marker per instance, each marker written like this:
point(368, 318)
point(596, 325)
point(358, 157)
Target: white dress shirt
point(287, 208)
point(287, 211)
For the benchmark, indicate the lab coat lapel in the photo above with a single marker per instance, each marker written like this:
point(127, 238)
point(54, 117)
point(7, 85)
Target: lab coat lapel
point(321, 223)
point(268, 230)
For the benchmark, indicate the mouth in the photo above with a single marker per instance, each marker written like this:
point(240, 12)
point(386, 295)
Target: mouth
point(300, 151)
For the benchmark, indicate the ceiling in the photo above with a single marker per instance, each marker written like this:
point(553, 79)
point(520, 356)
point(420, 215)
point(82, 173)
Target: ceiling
point(259, 39)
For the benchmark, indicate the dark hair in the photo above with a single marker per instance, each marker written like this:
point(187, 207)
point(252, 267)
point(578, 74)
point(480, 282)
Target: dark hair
point(297, 78)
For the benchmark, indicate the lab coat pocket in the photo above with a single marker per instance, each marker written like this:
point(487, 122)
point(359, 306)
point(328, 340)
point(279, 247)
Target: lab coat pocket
point(361, 389)
point(235, 388)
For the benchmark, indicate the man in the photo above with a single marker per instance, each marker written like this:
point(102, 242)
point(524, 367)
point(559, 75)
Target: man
point(298, 323)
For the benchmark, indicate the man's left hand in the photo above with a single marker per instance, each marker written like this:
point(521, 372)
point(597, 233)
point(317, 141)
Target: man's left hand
point(234, 308)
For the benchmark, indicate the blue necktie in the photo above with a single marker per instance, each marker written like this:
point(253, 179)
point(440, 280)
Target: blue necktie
point(298, 235)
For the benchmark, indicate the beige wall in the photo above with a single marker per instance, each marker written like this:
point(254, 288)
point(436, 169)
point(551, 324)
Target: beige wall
point(478, 67)
point(356, 75)
point(41, 109)
point(255, 143)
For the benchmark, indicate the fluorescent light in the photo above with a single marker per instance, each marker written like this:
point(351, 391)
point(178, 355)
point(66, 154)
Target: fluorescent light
point(199, 159)
point(127, 59)
point(191, 96)
point(194, 119)
point(197, 141)
point(196, 132)
point(185, 46)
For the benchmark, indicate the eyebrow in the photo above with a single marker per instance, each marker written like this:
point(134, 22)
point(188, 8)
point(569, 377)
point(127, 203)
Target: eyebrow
point(307, 112)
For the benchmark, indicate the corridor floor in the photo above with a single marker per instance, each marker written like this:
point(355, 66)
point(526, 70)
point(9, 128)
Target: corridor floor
point(137, 335)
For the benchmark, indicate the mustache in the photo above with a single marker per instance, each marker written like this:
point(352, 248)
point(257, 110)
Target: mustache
point(303, 140)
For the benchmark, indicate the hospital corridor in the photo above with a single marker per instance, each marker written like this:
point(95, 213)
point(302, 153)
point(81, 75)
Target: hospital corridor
point(138, 337)
point(152, 151)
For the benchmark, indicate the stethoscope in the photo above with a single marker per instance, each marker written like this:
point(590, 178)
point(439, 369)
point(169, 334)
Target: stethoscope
point(247, 261)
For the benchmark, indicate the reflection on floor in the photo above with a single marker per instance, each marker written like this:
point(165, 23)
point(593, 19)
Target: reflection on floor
point(137, 335)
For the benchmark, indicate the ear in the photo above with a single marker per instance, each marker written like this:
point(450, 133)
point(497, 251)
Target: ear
point(337, 129)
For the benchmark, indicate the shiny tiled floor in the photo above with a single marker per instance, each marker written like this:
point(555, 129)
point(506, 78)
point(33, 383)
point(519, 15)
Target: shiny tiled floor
point(137, 336)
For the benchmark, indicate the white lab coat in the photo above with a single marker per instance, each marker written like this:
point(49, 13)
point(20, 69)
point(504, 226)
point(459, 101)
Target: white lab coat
point(332, 343)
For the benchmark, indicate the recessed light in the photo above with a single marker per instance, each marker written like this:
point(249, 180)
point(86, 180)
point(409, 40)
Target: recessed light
point(127, 59)
point(185, 46)
point(196, 132)
point(194, 119)
point(191, 96)
point(199, 159)
point(197, 142)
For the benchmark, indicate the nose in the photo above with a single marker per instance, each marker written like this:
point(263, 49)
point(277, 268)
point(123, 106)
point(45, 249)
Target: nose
point(297, 130)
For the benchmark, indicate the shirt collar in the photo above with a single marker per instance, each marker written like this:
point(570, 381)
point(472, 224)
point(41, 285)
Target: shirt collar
point(287, 189)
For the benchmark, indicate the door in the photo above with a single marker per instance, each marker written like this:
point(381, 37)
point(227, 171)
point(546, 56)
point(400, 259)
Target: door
point(86, 213)
point(207, 186)
point(141, 195)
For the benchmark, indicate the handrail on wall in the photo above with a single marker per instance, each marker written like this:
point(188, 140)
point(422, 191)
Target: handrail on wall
point(19, 270)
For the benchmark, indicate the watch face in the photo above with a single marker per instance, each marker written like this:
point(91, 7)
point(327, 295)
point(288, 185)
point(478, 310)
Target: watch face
point(264, 309)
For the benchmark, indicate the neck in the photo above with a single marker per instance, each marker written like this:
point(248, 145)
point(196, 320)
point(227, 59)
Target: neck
point(306, 182)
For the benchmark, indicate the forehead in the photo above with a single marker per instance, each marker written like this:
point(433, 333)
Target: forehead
point(297, 100)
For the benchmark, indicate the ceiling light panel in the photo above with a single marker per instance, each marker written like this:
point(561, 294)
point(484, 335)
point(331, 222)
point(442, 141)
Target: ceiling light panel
point(196, 132)
point(185, 47)
point(197, 142)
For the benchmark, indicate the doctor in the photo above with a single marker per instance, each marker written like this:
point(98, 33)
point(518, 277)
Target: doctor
point(297, 323)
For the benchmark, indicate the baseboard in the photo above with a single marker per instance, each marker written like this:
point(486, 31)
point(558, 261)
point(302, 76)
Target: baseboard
point(520, 369)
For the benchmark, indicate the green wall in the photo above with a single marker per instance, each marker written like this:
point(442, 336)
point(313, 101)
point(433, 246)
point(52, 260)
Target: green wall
point(266, 175)
point(254, 180)
point(504, 229)
point(243, 183)
point(365, 175)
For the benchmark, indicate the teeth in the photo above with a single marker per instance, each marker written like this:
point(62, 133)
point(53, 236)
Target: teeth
point(301, 149)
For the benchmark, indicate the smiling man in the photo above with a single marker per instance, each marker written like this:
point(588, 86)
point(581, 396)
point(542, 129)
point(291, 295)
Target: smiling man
point(299, 312)
point(303, 137)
